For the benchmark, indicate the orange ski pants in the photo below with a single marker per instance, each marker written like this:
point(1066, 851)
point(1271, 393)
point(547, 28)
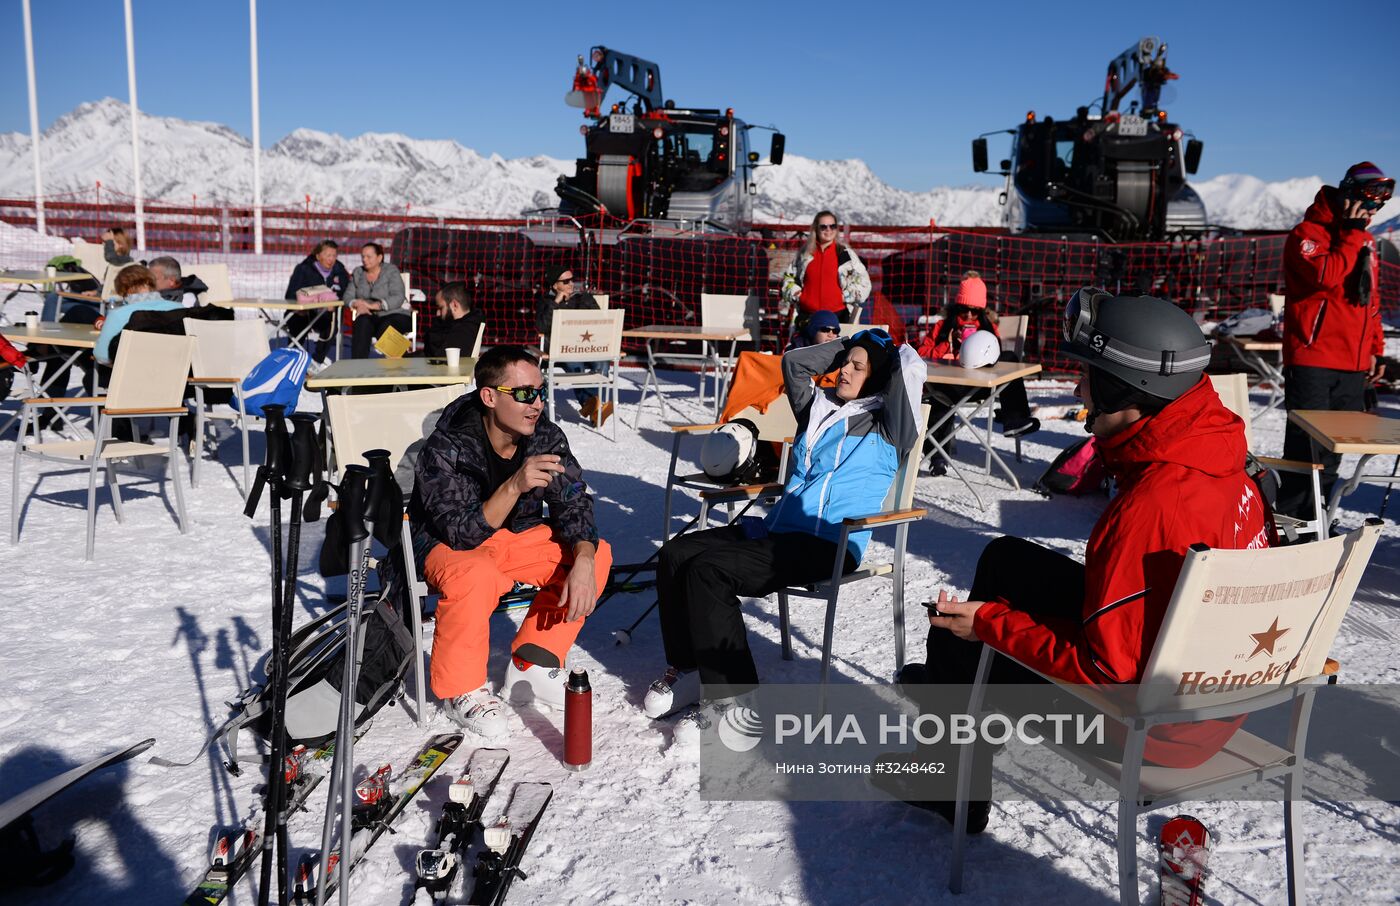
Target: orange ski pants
point(471, 584)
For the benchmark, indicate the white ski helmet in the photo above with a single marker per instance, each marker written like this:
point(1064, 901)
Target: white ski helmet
point(980, 350)
point(730, 452)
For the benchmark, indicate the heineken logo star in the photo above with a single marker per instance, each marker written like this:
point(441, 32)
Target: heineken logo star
point(1266, 640)
point(587, 337)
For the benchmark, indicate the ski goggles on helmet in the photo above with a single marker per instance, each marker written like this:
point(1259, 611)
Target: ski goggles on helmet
point(1079, 315)
point(525, 395)
point(1079, 330)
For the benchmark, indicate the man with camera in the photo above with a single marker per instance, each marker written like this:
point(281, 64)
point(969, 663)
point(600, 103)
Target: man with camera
point(1332, 340)
point(479, 526)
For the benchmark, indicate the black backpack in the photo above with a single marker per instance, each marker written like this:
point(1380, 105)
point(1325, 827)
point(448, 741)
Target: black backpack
point(316, 664)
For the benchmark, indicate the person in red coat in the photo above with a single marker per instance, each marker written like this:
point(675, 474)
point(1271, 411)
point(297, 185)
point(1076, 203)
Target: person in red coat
point(1332, 342)
point(1178, 457)
point(966, 314)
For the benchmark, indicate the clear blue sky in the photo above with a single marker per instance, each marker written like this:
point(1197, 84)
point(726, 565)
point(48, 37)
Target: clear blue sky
point(1274, 89)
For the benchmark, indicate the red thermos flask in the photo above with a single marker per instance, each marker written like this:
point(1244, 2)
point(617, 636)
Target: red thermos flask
point(578, 721)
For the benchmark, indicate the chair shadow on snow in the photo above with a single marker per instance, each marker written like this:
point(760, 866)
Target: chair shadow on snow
point(136, 487)
point(96, 812)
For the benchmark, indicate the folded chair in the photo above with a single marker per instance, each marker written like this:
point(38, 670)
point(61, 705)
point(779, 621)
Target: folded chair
point(897, 512)
point(1233, 390)
point(148, 381)
point(1226, 608)
point(224, 353)
point(393, 422)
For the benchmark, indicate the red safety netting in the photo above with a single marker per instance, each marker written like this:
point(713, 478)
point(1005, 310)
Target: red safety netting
point(659, 277)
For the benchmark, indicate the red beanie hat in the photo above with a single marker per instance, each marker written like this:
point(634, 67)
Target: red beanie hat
point(972, 292)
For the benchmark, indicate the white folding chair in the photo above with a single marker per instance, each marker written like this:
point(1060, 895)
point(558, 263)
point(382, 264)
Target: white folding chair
point(410, 296)
point(722, 312)
point(216, 277)
point(1205, 636)
point(897, 512)
point(480, 335)
point(393, 422)
point(1012, 330)
point(224, 353)
point(602, 300)
point(148, 381)
point(1233, 390)
point(588, 336)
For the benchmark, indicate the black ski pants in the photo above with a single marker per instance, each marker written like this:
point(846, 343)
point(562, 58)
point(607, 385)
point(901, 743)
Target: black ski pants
point(699, 581)
point(1031, 578)
point(1314, 388)
point(368, 328)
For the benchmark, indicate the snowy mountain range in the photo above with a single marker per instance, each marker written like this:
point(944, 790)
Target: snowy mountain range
point(386, 171)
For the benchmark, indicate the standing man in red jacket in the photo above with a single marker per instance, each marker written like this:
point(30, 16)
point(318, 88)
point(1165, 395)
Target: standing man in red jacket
point(1178, 457)
point(1332, 342)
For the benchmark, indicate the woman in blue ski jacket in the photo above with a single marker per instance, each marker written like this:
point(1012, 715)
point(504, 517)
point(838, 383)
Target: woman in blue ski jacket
point(849, 443)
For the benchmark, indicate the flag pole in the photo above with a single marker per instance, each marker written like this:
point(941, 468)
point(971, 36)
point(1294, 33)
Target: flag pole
point(257, 128)
point(33, 119)
point(135, 139)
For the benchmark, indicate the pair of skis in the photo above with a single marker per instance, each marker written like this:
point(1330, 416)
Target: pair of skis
point(500, 846)
point(382, 798)
point(233, 851)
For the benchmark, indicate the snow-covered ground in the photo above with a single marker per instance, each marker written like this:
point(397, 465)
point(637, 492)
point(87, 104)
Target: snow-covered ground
point(160, 629)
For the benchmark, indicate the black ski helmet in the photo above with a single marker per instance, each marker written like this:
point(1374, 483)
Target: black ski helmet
point(1149, 344)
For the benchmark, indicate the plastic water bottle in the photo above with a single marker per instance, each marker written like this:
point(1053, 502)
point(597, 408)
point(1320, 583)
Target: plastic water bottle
point(578, 721)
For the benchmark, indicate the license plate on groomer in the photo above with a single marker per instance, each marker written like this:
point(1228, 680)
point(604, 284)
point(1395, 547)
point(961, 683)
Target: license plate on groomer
point(627, 123)
point(1127, 126)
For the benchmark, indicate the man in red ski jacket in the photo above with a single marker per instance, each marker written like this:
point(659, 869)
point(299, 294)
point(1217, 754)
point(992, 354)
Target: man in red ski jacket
point(1178, 456)
point(1332, 342)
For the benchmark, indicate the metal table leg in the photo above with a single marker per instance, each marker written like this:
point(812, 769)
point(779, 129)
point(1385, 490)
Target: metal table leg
point(985, 438)
point(650, 384)
point(931, 435)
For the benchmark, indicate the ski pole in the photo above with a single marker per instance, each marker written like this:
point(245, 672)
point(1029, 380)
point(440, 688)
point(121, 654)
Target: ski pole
point(270, 474)
point(297, 479)
point(1390, 486)
point(351, 496)
point(624, 636)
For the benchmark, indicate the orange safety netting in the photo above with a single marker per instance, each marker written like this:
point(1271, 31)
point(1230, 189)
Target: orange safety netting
point(659, 278)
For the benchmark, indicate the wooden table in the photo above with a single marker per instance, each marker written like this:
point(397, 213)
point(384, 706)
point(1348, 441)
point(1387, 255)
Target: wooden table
point(971, 381)
point(705, 336)
point(1253, 354)
point(408, 372)
point(1350, 432)
point(80, 338)
point(277, 312)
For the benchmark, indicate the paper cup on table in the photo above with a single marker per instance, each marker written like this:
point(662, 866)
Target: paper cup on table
point(454, 357)
point(31, 321)
point(51, 272)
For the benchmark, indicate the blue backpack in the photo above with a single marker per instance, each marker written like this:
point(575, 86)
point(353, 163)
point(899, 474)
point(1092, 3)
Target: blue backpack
point(277, 379)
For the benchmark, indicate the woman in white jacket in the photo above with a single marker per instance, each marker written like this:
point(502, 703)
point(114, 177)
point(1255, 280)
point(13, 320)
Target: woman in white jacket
point(826, 275)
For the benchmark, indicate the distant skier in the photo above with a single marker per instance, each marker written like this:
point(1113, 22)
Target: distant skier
point(482, 481)
point(1332, 337)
